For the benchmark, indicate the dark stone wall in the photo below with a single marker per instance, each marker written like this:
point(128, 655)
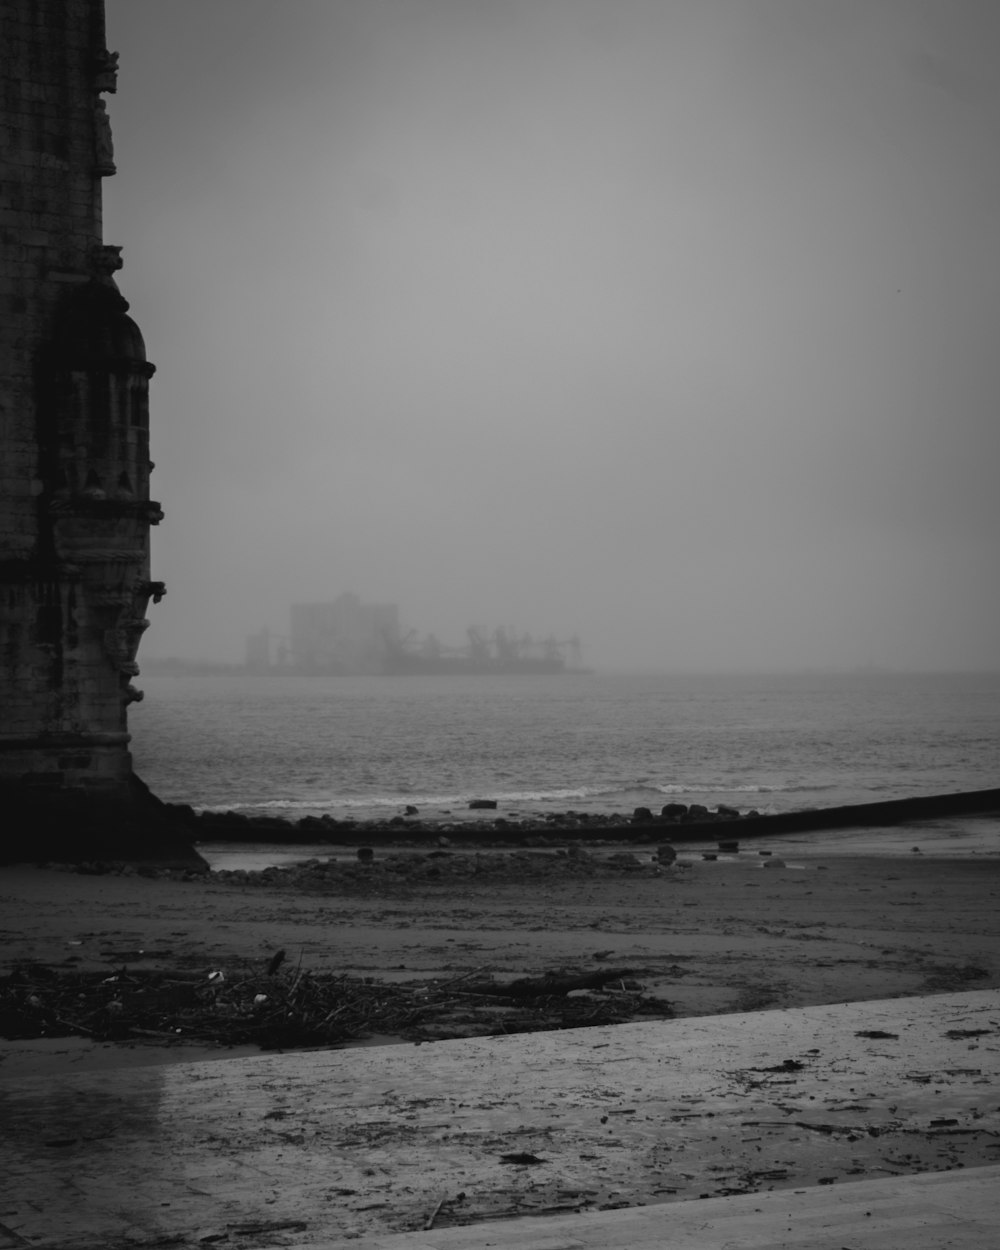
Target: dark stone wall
point(75, 511)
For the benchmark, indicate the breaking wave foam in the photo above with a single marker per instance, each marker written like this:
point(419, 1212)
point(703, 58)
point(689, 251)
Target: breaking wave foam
point(623, 792)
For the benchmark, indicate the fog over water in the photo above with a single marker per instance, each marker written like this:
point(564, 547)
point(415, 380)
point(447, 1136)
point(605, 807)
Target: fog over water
point(672, 323)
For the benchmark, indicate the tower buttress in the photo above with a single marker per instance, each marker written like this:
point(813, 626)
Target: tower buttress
point(75, 511)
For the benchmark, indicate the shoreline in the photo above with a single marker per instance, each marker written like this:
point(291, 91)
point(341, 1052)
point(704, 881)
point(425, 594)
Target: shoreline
point(481, 823)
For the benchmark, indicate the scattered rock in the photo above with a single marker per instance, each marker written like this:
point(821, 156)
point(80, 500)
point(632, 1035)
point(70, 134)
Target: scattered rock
point(625, 859)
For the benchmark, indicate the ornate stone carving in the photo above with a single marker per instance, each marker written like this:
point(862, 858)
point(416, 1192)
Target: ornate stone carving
point(106, 260)
point(104, 149)
point(106, 71)
point(152, 590)
point(122, 642)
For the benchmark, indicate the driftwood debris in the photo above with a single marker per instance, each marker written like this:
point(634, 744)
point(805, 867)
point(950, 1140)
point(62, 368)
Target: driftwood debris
point(551, 985)
point(293, 1007)
point(429, 1222)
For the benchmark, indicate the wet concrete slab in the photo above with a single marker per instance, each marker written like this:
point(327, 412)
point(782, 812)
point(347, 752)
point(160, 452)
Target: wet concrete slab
point(307, 1149)
point(927, 1212)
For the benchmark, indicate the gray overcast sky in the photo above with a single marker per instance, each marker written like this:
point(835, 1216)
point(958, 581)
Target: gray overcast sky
point(673, 323)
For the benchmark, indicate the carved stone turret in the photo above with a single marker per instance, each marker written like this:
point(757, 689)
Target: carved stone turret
point(75, 511)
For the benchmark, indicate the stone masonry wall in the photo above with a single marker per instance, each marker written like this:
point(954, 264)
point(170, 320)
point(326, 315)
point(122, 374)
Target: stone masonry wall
point(74, 456)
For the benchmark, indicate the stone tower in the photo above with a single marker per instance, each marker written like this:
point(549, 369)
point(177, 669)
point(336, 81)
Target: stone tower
point(75, 511)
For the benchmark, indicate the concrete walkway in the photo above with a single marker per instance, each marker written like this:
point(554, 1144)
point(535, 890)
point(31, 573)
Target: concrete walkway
point(931, 1211)
point(629, 1135)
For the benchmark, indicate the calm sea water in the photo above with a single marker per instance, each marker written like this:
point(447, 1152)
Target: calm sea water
point(367, 746)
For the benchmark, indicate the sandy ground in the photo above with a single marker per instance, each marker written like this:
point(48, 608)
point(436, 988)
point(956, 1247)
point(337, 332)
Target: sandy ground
point(887, 1070)
point(734, 934)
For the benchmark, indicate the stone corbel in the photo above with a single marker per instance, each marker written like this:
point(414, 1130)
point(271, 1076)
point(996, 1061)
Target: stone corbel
point(106, 71)
point(105, 260)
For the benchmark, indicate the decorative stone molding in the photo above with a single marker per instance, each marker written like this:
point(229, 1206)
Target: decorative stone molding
point(86, 560)
point(92, 502)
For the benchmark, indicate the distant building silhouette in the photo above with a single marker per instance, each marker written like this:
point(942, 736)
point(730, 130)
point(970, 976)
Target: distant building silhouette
point(345, 636)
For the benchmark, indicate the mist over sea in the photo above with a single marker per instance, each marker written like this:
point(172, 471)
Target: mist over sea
point(366, 747)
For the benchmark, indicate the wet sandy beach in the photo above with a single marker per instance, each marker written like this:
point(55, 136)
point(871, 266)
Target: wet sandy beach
point(737, 933)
